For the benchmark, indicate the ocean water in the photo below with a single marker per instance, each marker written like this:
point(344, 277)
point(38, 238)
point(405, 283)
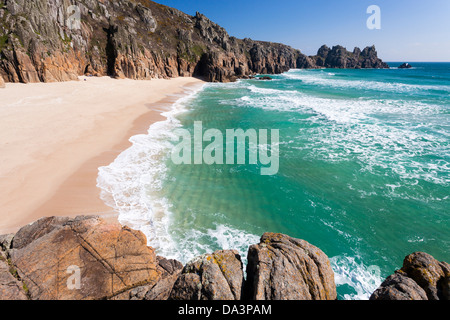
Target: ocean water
point(364, 171)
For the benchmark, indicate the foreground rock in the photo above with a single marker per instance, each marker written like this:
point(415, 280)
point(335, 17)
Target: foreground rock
point(284, 268)
point(422, 277)
point(2, 82)
point(217, 276)
point(112, 260)
point(40, 262)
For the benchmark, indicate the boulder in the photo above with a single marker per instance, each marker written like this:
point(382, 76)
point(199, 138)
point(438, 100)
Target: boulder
point(399, 287)
point(111, 259)
point(422, 277)
point(217, 276)
point(284, 268)
point(265, 78)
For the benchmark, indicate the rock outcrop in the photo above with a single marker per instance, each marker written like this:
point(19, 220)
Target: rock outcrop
point(44, 41)
point(110, 260)
point(340, 57)
point(217, 276)
point(114, 262)
point(2, 83)
point(422, 277)
point(284, 268)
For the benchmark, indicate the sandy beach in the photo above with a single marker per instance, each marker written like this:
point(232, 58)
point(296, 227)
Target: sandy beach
point(55, 136)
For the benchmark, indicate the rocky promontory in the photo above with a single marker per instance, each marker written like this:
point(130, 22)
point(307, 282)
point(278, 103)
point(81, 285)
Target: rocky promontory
point(86, 258)
point(40, 41)
point(339, 57)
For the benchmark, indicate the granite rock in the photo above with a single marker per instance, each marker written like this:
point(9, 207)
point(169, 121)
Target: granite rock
point(422, 277)
point(284, 268)
point(111, 259)
point(217, 276)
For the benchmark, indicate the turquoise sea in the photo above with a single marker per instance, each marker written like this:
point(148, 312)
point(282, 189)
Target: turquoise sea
point(364, 171)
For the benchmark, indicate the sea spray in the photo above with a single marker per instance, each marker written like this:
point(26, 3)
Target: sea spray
point(132, 183)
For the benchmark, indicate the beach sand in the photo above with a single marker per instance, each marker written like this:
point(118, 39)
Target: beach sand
point(55, 136)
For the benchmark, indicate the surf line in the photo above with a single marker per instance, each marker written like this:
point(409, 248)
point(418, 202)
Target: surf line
point(189, 149)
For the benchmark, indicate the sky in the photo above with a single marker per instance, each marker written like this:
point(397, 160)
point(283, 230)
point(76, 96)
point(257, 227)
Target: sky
point(411, 30)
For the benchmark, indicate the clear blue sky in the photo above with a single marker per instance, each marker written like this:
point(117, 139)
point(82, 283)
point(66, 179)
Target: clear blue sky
point(411, 30)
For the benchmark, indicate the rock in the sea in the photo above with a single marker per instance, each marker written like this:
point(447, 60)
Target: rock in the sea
point(111, 259)
point(265, 78)
point(340, 57)
point(405, 66)
point(422, 277)
point(217, 276)
point(284, 268)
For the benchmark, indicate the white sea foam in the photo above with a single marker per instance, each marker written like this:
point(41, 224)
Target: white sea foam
point(228, 238)
point(363, 280)
point(192, 242)
point(132, 183)
point(321, 79)
point(359, 128)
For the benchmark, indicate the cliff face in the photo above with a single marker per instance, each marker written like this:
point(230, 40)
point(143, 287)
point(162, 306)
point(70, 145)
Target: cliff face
point(138, 39)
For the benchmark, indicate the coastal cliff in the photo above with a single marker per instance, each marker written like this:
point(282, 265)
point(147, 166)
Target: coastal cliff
point(43, 259)
point(140, 39)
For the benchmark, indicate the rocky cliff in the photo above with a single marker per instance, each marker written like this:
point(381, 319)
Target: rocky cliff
point(86, 258)
point(44, 41)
